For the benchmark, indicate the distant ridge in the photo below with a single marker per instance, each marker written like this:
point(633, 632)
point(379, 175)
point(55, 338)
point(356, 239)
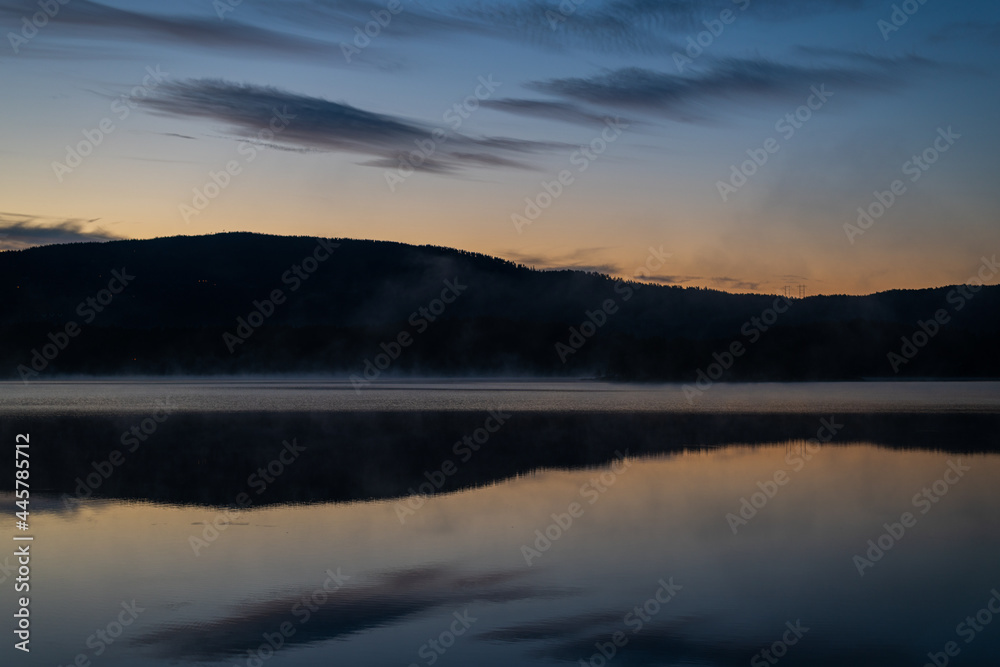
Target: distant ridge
point(176, 303)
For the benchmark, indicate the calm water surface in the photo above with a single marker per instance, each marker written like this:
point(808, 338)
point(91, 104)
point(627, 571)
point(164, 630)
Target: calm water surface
point(47, 398)
point(542, 564)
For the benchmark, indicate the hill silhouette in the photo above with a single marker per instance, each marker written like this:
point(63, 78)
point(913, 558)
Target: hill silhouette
point(252, 303)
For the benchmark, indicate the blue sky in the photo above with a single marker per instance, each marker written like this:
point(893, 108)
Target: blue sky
point(202, 116)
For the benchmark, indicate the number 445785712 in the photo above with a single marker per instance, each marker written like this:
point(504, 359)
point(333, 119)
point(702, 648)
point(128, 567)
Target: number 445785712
point(21, 479)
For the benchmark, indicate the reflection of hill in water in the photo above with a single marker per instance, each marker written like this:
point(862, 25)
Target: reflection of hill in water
point(208, 457)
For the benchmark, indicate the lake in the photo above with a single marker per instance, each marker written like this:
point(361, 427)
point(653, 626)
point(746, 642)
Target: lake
point(433, 522)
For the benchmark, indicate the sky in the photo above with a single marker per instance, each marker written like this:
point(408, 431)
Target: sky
point(848, 146)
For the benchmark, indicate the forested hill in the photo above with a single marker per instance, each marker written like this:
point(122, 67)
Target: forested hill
point(250, 303)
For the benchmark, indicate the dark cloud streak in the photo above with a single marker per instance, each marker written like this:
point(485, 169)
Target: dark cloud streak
point(24, 231)
point(318, 124)
point(725, 82)
point(622, 26)
point(93, 20)
point(558, 111)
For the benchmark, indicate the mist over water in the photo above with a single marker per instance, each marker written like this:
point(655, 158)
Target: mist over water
point(304, 394)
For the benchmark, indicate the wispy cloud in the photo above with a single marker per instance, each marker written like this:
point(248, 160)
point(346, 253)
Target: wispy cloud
point(580, 259)
point(672, 279)
point(559, 111)
point(340, 16)
point(729, 284)
point(616, 26)
point(720, 282)
point(645, 26)
point(24, 231)
point(635, 26)
point(95, 21)
point(318, 124)
point(986, 31)
point(888, 63)
point(331, 22)
point(731, 81)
